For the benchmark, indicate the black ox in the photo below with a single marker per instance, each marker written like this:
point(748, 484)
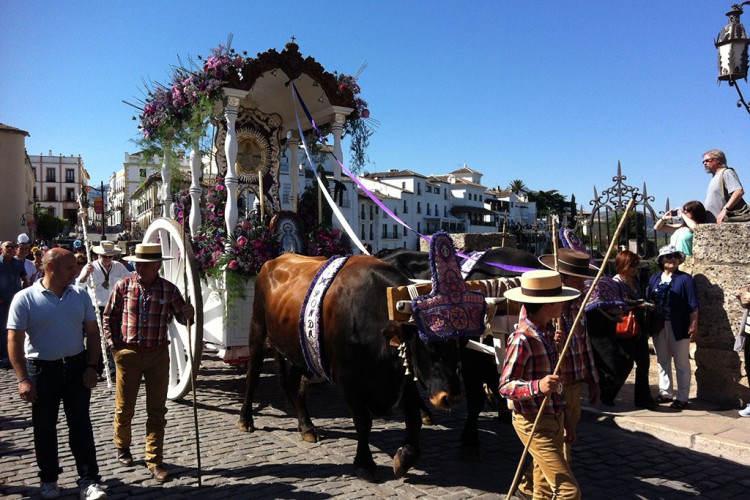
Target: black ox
point(479, 370)
point(360, 346)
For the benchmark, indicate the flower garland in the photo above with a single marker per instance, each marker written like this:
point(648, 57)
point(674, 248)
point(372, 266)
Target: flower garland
point(356, 126)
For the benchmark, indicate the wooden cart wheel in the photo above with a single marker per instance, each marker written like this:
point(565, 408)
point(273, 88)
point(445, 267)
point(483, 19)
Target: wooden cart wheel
point(169, 233)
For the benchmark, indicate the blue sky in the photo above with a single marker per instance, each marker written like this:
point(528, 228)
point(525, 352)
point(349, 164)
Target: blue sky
point(553, 93)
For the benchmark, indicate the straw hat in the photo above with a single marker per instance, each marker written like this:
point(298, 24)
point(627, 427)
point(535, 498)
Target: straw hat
point(571, 263)
point(541, 287)
point(107, 248)
point(147, 252)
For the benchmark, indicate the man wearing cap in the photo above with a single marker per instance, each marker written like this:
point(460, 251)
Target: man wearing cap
point(12, 275)
point(135, 326)
point(527, 378)
point(47, 324)
point(23, 250)
point(578, 365)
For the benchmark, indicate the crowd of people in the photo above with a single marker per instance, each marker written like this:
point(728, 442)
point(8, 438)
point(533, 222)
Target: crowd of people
point(57, 303)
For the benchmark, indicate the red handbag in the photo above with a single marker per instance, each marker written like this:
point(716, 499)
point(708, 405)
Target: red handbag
point(628, 327)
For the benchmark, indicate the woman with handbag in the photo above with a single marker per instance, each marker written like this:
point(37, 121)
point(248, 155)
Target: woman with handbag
point(673, 293)
point(631, 332)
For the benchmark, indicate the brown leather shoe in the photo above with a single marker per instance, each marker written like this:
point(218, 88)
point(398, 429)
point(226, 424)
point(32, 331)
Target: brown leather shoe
point(124, 456)
point(159, 473)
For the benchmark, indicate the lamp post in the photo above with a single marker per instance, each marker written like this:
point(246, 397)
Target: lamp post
point(732, 45)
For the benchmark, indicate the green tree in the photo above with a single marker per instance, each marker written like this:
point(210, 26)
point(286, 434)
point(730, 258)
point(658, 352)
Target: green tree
point(549, 202)
point(48, 226)
point(517, 186)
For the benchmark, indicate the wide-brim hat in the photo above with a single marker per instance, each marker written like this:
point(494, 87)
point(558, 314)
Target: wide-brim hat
point(571, 263)
point(541, 287)
point(147, 252)
point(106, 247)
point(668, 250)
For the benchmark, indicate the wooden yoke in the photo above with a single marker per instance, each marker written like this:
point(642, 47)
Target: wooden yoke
point(492, 288)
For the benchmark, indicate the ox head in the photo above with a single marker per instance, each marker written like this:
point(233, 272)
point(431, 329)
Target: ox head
point(436, 364)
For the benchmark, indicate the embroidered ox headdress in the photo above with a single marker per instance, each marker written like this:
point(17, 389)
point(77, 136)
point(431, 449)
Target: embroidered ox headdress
point(450, 310)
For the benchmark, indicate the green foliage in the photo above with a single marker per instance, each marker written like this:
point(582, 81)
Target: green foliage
point(48, 226)
point(549, 202)
point(517, 186)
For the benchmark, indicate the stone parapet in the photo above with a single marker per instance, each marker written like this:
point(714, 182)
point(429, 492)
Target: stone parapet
point(476, 241)
point(721, 265)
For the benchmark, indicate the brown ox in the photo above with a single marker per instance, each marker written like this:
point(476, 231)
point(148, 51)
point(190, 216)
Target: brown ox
point(360, 346)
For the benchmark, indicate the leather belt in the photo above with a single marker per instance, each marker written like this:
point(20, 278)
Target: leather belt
point(75, 359)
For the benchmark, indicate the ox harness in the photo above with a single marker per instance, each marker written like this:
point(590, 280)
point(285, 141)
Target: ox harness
point(311, 317)
point(467, 265)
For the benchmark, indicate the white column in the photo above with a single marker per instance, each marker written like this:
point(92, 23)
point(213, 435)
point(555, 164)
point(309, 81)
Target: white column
point(166, 181)
point(337, 127)
point(231, 212)
point(293, 144)
point(195, 188)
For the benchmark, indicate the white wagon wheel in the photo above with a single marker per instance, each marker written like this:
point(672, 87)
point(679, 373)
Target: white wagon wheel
point(169, 233)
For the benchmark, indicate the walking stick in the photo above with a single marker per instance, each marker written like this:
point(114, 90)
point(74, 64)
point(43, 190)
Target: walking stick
point(190, 357)
point(612, 244)
point(92, 291)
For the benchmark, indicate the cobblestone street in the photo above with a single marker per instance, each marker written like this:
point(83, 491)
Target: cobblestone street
point(275, 463)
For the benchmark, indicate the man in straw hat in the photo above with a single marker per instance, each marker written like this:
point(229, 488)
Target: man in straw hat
point(135, 326)
point(101, 277)
point(578, 366)
point(527, 378)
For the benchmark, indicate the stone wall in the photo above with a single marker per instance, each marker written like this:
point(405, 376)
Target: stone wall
point(476, 241)
point(721, 265)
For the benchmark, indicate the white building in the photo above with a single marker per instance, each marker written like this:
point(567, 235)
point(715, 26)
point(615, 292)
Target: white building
point(59, 180)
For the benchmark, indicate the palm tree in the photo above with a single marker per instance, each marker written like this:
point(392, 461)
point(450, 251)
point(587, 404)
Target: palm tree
point(517, 186)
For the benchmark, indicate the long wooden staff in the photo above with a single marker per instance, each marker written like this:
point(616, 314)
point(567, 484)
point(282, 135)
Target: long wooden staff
point(557, 264)
point(92, 290)
point(612, 244)
point(190, 355)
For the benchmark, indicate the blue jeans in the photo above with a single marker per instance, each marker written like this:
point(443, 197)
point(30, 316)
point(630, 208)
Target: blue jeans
point(55, 381)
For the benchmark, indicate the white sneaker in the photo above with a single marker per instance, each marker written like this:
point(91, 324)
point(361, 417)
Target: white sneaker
point(91, 490)
point(49, 490)
point(745, 412)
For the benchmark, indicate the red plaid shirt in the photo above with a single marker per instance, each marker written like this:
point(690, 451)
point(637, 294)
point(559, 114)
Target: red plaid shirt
point(134, 315)
point(578, 364)
point(531, 355)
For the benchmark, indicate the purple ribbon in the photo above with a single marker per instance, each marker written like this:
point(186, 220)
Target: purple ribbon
point(383, 207)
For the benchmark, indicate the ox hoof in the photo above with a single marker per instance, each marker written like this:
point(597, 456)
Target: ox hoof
point(310, 436)
point(368, 474)
point(404, 459)
point(427, 419)
point(245, 427)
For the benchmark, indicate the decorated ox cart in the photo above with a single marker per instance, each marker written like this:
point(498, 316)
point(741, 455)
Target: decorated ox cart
point(250, 113)
point(247, 111)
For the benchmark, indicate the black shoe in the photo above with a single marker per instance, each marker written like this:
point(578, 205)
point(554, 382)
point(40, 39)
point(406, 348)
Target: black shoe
point(648, 405)
point(124, 456)
point(679, 405)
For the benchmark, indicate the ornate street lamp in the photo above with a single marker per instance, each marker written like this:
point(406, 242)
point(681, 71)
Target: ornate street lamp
point(732, 44)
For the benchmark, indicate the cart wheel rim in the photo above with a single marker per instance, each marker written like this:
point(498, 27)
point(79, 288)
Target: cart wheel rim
point(182, 271)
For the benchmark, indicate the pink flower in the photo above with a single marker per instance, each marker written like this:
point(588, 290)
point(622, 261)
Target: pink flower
point(365, 113)
point(241, 241)
point(220, 188)
point(234, 265)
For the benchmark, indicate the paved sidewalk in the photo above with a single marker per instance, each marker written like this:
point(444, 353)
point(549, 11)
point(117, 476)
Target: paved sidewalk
point(704, 427)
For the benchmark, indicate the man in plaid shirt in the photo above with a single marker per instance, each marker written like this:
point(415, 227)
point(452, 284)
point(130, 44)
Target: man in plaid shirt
point(527, 378)
point(578, 366)
point(135, 326)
